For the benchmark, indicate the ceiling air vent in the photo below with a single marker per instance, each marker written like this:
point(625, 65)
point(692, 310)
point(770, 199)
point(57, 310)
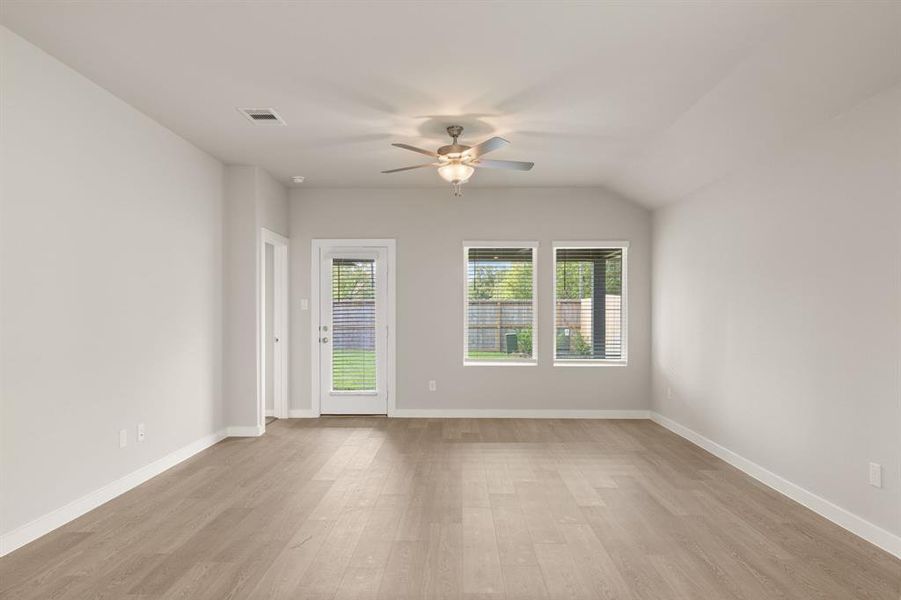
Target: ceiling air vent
point(264, 116)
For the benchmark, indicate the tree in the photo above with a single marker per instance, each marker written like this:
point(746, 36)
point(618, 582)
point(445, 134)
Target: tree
point(483, 282)
point(353, 280)
point(575, 279)
point(516, 282)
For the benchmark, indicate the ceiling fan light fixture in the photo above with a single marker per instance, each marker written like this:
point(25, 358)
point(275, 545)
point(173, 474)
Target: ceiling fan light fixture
point(455, 172)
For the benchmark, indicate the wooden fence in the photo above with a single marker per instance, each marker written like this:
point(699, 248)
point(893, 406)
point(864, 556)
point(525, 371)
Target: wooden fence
point(491, 320)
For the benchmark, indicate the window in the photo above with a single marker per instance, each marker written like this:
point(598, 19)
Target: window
point(353, 325)
point(499, 304)
point(590, 303)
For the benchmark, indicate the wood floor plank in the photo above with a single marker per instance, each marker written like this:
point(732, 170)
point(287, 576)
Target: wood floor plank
point(514, 541)
point(481, 564)
point(561, 576)
point(444, 562)
point(404, 576)
point(376, 508)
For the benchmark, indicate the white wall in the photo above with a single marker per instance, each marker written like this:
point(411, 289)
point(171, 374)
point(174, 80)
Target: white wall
point(253, 200)
point(777, 311)
point(272, 203)
point(430, 226)
point(111, 298)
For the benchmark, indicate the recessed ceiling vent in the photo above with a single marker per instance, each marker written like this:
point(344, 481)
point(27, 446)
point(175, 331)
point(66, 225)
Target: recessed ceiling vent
point(263, 116)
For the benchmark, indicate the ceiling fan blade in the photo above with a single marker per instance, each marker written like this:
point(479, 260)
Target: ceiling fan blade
point(512, 165)
point(411, 168)
point(485, 147)
point(415, 149)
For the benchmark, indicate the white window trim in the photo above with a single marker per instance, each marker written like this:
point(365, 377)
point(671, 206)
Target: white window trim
point(594, 362)
point(532, 362)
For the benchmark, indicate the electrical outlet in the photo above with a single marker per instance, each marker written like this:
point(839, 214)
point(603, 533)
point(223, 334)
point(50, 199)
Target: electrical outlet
point(433, 385)
point(140, 432)
point(123, 438)
point(876, 475)
point(669, 393)
point(304, 304)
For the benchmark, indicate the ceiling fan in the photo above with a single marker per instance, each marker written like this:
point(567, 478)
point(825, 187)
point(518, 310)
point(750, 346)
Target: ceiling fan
point(457, 162)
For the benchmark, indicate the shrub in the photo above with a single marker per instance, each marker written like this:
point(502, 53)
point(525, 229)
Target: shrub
point(579, 345)
point(524, 341)
point(562, 340)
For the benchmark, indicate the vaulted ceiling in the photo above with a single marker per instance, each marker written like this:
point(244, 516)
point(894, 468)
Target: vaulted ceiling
point(654, 100)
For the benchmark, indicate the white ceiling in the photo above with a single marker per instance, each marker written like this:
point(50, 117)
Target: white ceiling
point(652, 99)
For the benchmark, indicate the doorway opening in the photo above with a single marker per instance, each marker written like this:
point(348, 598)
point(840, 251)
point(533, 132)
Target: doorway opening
point(273, 328)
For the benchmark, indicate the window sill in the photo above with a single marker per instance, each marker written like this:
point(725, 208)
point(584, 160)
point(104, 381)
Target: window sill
point(591, 363)
point(499, 363)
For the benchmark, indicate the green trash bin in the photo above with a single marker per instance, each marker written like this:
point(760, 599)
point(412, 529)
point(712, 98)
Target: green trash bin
point(512, 342)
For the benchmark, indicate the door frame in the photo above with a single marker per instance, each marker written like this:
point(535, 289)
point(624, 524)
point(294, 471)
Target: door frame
point(279, 357)
point(318, 247)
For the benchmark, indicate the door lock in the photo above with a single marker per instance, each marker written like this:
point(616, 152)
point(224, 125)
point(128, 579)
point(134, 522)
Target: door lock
point(324, 340)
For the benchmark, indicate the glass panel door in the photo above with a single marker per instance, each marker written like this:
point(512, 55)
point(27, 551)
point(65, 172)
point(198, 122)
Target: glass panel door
point(353, 333)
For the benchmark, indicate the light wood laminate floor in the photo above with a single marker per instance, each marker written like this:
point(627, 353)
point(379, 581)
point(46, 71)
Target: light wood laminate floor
point(456, 508)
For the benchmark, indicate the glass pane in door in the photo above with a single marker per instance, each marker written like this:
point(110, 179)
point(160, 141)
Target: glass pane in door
point(353, 325)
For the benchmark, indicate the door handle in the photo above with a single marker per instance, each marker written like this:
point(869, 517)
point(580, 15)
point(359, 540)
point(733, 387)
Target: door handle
point(324, 340)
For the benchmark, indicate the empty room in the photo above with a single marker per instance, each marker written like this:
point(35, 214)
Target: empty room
point(471, 300)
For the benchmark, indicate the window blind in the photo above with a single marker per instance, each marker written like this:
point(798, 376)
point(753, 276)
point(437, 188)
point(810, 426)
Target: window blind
point(500, 304)
point(588, 311)
point(353, 325)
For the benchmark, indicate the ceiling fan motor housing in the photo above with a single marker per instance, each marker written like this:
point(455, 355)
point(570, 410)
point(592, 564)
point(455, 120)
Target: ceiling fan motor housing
point(452, 149)
point(454, 131)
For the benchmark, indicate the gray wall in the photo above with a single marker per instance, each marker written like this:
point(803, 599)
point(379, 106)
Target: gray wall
point(777, 311)
point(240, 301)
point(253, 199)
point(430, 226)
point(111, 299)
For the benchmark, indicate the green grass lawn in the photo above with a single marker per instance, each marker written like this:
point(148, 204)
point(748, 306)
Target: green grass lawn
point(353, 370)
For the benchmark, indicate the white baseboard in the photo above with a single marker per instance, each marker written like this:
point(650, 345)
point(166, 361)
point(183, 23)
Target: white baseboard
point(245, 430)
point(270, 412)
point(45, 524)
point(302, 413)
point(492, 413)
point(874, 534)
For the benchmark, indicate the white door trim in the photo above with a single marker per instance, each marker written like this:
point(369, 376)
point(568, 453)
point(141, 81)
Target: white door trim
point(279, 359)
point(318, 246)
